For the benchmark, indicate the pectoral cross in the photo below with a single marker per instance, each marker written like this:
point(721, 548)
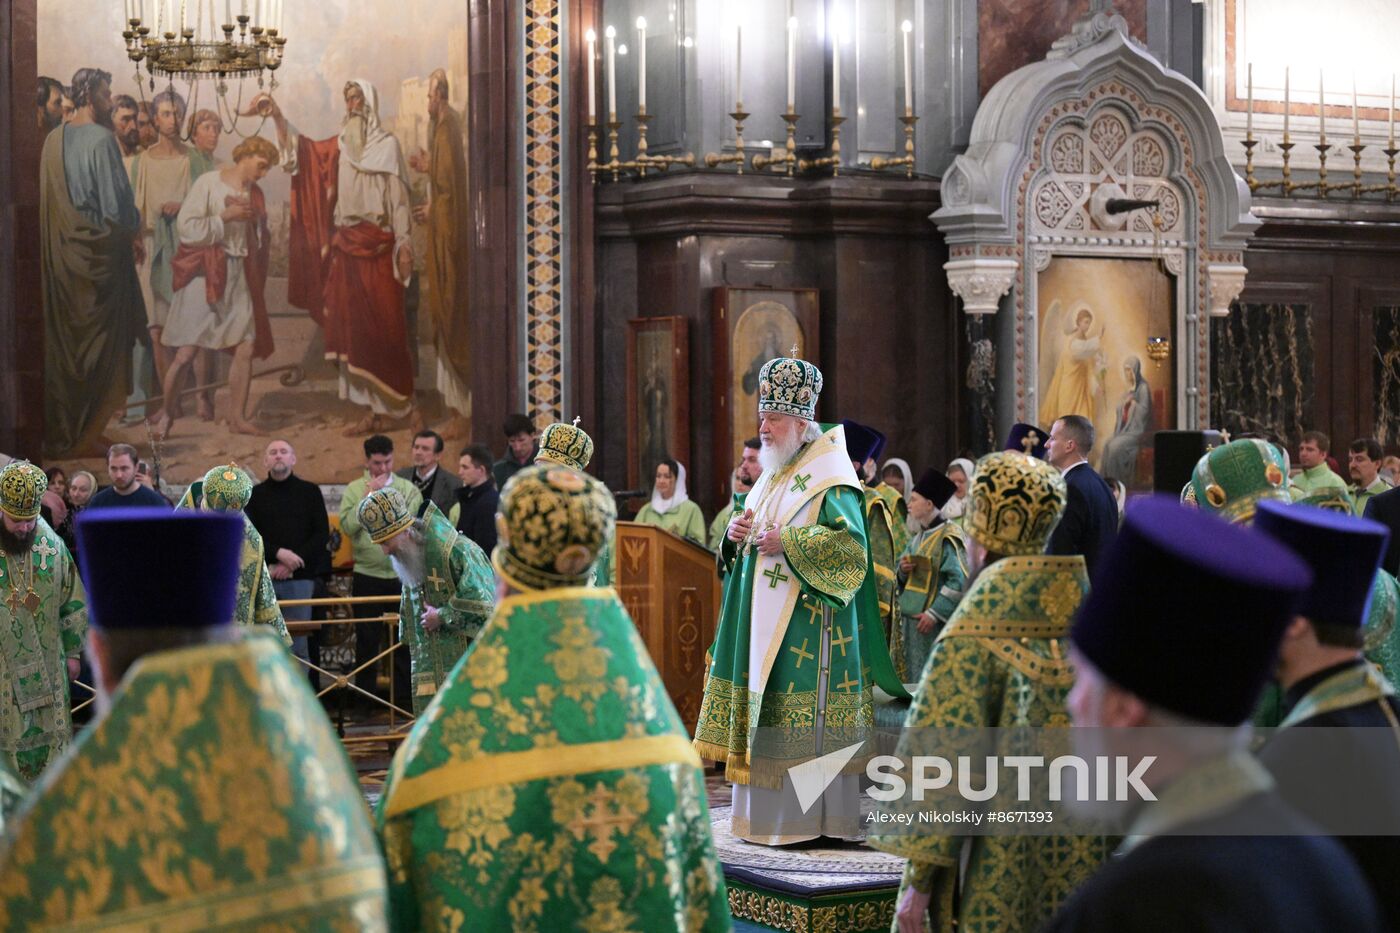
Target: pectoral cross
point(45, 551)
point(1029, 441)
point(802, 653)
point(841, 641)
point(775, 576)
point(14, 600)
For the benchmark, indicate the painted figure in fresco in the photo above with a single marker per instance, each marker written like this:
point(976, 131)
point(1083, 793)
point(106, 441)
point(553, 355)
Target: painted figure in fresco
point(161, 177)
point(1078, 381)
point(88, 251)
point(220, 276)
point(655, 439)
point(445, 214)
point(351, 256)
point(1120, 455)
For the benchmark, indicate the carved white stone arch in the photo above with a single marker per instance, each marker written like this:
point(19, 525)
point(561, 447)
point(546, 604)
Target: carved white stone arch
point(1099, 118)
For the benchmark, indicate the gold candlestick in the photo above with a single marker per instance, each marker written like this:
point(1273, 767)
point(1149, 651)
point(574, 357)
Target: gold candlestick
point(1322, 149)
point(1356, 150)
point(614, 124)
point(642, 142)
point(1390, 155)
point(788, 157)
point(834, 160)
point(713, 159)
point(907, 160)
point(645, 159)
point(593, 167)
point(1286, 186)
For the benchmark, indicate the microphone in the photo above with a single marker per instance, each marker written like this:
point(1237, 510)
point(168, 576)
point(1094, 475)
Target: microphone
point(631, 493)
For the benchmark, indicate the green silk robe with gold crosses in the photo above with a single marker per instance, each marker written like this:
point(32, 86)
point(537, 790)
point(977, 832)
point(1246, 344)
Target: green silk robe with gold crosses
point(459, 583)
point(999, 663)
point(884, 557)
point(551, 786)
point(38, 633)
point(899, 515)
point(836, 602)
point(213, 793)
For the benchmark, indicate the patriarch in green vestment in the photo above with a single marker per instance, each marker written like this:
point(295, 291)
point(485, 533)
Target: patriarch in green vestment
point(210, 791)
point(228, 489)
point(1001, 662)
point(799, 645)
point(447, 585)
point(43, 617)
point(550, 785)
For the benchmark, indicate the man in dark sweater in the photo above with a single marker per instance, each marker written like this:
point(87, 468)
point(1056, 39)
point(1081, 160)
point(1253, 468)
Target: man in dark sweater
point(1180, 632)
point(1336, 755)
point(521, 447)
point(126, 490)
point(290, 514)
point(474, 514)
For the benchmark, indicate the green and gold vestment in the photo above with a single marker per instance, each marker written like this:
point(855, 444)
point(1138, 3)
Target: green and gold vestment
point(1000, 663)
point(12, 794)
point(256, 601)
point(880, 523)
point(781, 614)
point(213, 793)
point(936, 587)
point(899, 515)
point(550, 785)
point(43, 620)
point(459, 583)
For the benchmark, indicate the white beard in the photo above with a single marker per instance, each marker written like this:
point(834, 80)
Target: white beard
point(408, 565)
point(776, 456)
point(353, 135)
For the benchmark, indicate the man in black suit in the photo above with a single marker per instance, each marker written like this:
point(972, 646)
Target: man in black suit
point(1171, 650)
point(1385, 508)
point(437, 485)
point(1343, 769)
point(1091, 513)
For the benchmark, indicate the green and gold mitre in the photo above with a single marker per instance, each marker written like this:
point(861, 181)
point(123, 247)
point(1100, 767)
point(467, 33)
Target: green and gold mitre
point(789, 387)
point(384, 513)
point(22, 486)
point(1232, 479)
point(553, 524)
point(1332, 498)
point(567, 445)
point(227, 488)
point(1382, 640)
point(551, 784)
point(213, 792)
point(1013, 503)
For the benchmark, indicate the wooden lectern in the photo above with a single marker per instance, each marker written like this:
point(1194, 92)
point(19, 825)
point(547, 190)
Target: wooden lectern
point(671, 589)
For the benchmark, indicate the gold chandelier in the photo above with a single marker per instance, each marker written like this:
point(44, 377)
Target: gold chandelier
point(188, 48)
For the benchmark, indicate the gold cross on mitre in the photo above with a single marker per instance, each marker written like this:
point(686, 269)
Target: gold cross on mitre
point(1029, 441)
point(796, 354)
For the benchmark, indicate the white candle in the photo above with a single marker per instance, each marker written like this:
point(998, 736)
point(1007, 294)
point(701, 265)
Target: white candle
point(907, 28)
point(1285, 103)
point(792, 64)
point(641, 64)
point(182, 17)
point(1249, 105)
point(592, 38)
point(1392, 111)
point(1355, 116)
point(836, 73)
point(198, 18)
point(738, 62)
point(611, 35)
point(1321, 111)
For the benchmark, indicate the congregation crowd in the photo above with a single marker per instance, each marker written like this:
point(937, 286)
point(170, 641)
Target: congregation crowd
point(548, 781)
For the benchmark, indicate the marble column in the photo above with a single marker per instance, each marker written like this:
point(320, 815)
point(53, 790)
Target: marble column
point(1262, 376)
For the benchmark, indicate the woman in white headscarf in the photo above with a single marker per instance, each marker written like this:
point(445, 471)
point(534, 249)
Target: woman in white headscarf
point(897, 474)
point(960, 472)
point(670, 507)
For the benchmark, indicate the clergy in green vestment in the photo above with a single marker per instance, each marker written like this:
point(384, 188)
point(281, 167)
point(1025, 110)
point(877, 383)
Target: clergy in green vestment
point(1001, 662)
point(210, 791)
point(740, 482)
point(447, 585)
point(932, 575)
point(43, 616)
point(799, 644)
point(569, 445)
point(862, 444)
point(550, 785)
point(228, 489)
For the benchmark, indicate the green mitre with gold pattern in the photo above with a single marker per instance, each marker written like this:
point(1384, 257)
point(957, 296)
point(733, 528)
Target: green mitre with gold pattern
point(1013, 503)
point(1332, 498)
point(1232, 479)
point(789, 387)
point(22, 486)
point(384, 513)
point(567, 445)
point(227, 488)
point(553, 524)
